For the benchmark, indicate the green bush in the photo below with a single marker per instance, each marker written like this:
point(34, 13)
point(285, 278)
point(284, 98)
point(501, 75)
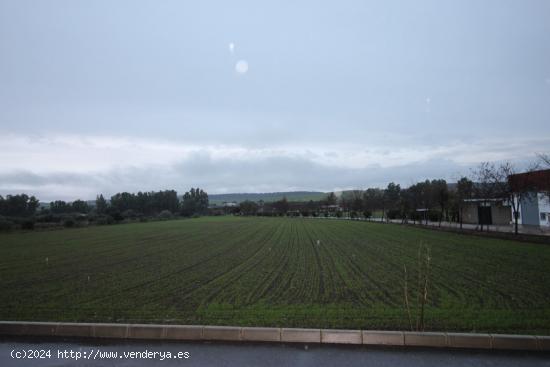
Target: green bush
point(49, 218)
point(6, 225)
point(47, 225)
point(129, 214)
point(104, 220)
point(69, 223)
point(166, 214)
point(27, 224)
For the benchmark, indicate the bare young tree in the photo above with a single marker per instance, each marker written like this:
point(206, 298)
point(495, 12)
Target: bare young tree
point(504, 182)
point(519, 188)
point(544, 161)
point(464, 191)
point(500, 177)
point(484, 189)
point(424, 273)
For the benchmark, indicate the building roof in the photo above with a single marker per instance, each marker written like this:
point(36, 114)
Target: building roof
point(531, 181)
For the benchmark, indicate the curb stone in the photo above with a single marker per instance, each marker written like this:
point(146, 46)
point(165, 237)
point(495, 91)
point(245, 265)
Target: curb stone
point(285, 335)
point(379, 337)
point(341, 337)
point(295, 335)
point(425, 339)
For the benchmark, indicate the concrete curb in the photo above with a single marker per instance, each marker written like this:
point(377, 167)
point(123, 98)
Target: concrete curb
point(341, 337)
point(300, 335)
point(286, 335)
point(375, 337)
point(426, 339)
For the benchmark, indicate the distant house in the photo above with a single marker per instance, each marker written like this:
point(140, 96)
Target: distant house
point(331, 208)
point(534, 206)
point(486, 212)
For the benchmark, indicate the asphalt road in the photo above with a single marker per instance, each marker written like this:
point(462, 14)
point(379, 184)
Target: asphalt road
point(222, 354)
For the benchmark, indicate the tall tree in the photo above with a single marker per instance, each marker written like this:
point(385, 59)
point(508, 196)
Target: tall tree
point(331, 199)
point(464, 191)
point(100, 204)
point(356, 200)
point(248, 207)
point(392, 195)
point(59, 207)
point(20, 205)
point(80, 206)
point(415, 199)
point(281, 206)
point(441, 196)
point(373, 200)
point(195, 201)
point(405, 205)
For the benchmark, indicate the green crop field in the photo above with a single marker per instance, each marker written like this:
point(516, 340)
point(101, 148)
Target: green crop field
point(272, 272)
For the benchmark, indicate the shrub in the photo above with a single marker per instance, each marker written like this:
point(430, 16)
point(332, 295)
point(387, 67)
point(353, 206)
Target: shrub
point(165, 214)
point(129, 214)
point(48, 218)
point(69, 223)
point(117, 217)
point(47, 225)
point(104, 220)
point(81, 218)
point(27, 224)
point(6, 225)
point(367, 213)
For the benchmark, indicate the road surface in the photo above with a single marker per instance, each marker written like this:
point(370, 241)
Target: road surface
point(71, 352)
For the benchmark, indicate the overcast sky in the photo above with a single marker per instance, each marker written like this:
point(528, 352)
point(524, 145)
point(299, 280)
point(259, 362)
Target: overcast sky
point(256, 96)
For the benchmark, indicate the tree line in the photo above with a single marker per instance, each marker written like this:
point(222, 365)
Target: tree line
point(429, 200)
point(22, 211)
point(433, 200)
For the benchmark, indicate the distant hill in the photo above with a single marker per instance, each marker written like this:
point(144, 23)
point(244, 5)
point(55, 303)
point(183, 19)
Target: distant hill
point(266, 197)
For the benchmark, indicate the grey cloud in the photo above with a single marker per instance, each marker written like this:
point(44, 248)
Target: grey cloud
point(28, 178)
point(277, 173)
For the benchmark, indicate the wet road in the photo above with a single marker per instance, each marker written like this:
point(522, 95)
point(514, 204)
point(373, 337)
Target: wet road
point(117, 353)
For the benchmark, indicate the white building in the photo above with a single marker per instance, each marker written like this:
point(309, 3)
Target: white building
point(534, 206)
